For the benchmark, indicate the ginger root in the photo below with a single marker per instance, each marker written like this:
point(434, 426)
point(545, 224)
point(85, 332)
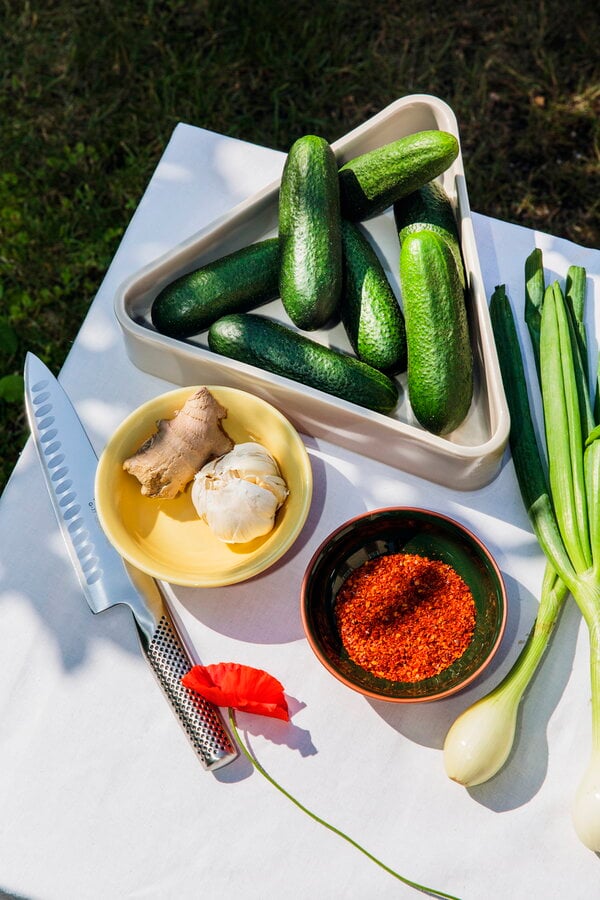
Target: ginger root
point(168, 460)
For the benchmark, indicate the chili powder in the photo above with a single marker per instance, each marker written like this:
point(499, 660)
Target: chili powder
point(405, 617)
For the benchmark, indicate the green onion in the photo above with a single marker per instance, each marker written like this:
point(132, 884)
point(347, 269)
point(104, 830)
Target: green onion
point(564, 509)
point(563, 428)
point(527, 458)
point(575, 299)
point(534, 299)
point(480, 740)
point(592, 485)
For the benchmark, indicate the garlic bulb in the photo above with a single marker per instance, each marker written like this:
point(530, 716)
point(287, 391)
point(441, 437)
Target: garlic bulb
point(239, 493)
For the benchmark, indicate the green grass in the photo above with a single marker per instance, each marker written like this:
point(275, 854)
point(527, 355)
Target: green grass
point(92, 91)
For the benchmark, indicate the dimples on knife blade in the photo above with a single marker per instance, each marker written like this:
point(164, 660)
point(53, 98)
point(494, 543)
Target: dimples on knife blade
point(69, 464)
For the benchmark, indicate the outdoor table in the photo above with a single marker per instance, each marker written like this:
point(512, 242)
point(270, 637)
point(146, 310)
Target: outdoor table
point(102, 796)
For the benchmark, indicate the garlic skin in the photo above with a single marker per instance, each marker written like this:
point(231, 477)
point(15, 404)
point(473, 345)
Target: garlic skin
point(238, 494)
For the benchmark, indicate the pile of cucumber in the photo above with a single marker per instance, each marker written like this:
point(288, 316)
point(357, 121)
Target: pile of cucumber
point(323, 267)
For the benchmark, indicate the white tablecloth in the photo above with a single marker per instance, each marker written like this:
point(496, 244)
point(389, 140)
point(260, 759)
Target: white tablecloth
point(102, 798)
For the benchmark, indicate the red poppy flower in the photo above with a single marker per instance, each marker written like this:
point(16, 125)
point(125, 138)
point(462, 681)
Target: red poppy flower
point(242, 687)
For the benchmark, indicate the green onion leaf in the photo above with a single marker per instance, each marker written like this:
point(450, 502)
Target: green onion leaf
point(575, 296)
point(527, 459)
point(575, 300)
point(563, 429)
point(591, 462)
point(534, 299)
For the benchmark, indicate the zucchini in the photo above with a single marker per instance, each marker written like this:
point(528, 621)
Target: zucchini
point(430, 208)
point(370, 312)
point(309, 232)
point(272, 346)
point(440, 361)
point(240, 281)
point(372, 182)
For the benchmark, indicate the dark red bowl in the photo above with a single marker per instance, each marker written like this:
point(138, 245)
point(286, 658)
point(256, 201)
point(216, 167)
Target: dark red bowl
point(402, 530)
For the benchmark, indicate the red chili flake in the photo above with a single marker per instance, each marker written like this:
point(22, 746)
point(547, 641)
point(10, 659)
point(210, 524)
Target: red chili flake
point(405, 617)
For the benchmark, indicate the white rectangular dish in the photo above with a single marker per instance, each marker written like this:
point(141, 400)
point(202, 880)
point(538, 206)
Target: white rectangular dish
point(468, 458)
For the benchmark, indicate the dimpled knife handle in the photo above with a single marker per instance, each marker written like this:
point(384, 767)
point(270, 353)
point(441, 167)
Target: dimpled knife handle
point(200, 719)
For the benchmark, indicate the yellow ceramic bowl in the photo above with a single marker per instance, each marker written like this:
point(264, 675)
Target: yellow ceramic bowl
point(166, 538)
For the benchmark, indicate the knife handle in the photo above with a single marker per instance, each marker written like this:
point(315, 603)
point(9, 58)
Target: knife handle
point(200, 719)
point(170, 660)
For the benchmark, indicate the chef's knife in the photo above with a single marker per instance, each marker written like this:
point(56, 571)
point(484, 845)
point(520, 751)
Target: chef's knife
point(69, 464)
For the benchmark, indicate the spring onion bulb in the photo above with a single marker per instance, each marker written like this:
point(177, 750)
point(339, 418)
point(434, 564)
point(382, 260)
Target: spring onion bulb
point(585, 811)
point(563, 503)
point(480, 741)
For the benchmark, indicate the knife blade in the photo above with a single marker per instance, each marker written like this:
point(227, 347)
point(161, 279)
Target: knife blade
point(69, 464)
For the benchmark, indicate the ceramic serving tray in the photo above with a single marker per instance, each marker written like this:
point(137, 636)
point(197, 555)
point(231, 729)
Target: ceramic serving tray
point(468, 458)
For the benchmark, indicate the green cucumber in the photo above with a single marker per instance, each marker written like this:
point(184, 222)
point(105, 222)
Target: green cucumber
point(240, 281)
point(369, 309)
point(430, 208)
point(309, 232)
point(272, 346)
point(372, 182)
point(440, 361)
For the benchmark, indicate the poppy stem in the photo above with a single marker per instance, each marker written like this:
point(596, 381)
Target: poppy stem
point(419, 887)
